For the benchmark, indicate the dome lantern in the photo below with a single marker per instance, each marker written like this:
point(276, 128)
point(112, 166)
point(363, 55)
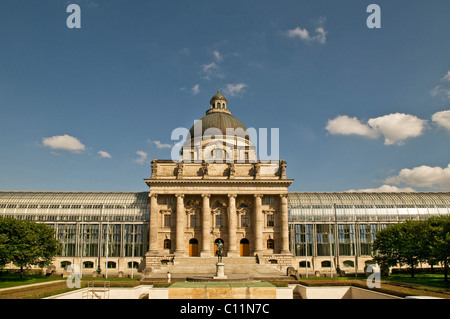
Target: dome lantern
point(218, 103)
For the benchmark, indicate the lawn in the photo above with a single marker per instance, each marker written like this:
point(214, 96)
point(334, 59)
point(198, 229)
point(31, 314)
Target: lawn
point(12, 280)
point(433, 280)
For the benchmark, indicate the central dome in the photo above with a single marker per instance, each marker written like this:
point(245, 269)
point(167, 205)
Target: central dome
point(218, 120)
point(218, 117)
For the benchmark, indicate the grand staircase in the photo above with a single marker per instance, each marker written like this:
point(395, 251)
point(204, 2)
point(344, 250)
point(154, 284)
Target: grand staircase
point(236, 268)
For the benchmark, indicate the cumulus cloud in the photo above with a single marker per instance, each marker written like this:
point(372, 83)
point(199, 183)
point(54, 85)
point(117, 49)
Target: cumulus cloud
point(195, 89)
point(64, 142)
point(394, 127)
point(383, 189)
point(345, 125)
point(398, 127)
point(104, 154)
point(423, 176)
point(234, 89)
point(161, 145)
point(442, 118)
point(319, 36)
point(142, 157)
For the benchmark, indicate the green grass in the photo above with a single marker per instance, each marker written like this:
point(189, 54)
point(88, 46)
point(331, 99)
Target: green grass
point(432, 280)
point(13, 280)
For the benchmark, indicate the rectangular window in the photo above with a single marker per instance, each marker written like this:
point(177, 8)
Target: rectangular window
point(303, 239)
point(269, 200)
point(194, 220)
point(244, 220)
point(167, 219)
point(219, 220)
point(325, 239)
point(270, 220)
point(346, 236)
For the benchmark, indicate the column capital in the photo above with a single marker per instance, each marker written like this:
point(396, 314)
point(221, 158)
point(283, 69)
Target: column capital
point(284, 195)
point(155, 195)
point(206, 195)
point(179, 195)
point(258, 195)
point(232, 195)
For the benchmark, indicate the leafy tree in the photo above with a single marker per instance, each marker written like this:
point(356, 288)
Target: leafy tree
point(27, 243)
point(403, 243)
point(385, 247)
point(440, 241)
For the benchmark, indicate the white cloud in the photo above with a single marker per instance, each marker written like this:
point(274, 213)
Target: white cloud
point(442, 118)
point(442, 89)
point(423, 176)
point(195, 89)
point(394, 127)
point(383, 189)
point(142, 157)
point(64, 142)
point(161, 145)
point(211, 70)
point(398, 127)
point(345, 125)
point(234, 89)
point(217, 56)
point(320, 35)
point(104, 154)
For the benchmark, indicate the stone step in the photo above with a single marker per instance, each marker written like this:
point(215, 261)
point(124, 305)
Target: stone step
point(213, 260)
point(236, 269)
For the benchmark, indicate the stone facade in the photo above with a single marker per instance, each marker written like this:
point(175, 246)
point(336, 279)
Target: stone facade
point(204, 198)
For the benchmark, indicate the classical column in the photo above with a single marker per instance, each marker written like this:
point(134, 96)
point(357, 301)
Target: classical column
point(206, 227)
point(179, 239)
point(259, 221)
point(284, 225)
point(154, 215)
point(232, 251)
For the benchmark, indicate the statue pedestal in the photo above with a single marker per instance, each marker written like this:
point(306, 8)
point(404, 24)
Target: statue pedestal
point(220, 271)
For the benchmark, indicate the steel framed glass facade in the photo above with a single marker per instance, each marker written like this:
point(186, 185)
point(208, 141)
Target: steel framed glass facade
point(351, 219)
point(317, 221)
point(78, 216)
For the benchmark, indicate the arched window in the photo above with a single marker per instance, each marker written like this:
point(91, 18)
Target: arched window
point(111, 265)
point(302, 264)
point(133, 264)
point(349, 263)
point(65, 264)
point(270, 243)
point(167, 244)
point(88, 264)
point(326, 263)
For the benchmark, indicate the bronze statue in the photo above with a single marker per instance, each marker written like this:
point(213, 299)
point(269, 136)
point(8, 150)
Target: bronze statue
point(219, 251)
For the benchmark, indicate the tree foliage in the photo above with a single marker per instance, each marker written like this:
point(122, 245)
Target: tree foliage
point(26, 243)
point(412, 242)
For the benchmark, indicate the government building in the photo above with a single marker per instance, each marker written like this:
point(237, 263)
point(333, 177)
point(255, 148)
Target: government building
point(218, 192)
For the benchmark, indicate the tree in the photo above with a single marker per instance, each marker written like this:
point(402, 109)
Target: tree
point(403, 243)
point(27, 243)
point(385, 247)
point(440, 241)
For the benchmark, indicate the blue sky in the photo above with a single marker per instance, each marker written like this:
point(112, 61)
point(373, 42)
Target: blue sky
point(358, 108)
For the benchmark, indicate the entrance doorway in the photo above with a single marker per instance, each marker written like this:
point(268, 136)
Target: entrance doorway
point(218, 240)
point(245, 247)
point(193, 247)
